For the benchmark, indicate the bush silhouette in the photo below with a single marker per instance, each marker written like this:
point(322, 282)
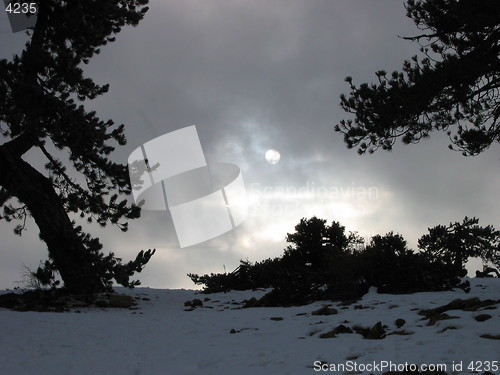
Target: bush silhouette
point(324, 262)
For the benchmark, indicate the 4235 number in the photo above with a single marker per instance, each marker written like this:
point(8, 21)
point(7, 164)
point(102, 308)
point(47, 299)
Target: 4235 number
point(21, 8)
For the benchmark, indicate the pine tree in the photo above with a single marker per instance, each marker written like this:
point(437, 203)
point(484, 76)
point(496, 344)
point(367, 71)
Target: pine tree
point(456, 85)
point(41, 95)
point(455, 243)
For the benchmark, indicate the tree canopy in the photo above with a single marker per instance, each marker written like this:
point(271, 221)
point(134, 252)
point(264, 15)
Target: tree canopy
point(454, 86)
point(457, 242)
point(324, 262)
point(41, 95)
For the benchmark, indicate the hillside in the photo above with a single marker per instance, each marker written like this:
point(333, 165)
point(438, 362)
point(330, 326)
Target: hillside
point(160, 335)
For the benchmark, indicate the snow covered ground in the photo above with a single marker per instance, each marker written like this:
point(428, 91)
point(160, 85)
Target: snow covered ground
point(161, 338)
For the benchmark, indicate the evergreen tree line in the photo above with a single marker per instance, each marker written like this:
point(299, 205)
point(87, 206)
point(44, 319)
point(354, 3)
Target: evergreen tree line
point(324, 262)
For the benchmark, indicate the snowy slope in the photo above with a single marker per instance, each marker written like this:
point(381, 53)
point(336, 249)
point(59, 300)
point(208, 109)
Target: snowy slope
point(160, 337)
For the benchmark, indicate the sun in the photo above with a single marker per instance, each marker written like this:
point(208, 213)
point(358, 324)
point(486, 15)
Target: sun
point(272, 156)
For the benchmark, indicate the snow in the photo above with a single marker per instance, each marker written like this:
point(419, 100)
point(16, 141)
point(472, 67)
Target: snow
point(161, 337)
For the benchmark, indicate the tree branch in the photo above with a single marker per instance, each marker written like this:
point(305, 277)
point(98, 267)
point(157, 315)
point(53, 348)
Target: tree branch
point(19, 145)
point(59, 169)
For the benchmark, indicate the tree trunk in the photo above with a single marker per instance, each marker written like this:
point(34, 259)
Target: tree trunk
point(56, 229)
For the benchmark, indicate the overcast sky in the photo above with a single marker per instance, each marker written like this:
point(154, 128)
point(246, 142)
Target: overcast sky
point(259, 75)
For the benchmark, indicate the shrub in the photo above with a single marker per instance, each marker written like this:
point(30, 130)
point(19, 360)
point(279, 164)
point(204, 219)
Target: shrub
point(456, 243)
point(323, 262)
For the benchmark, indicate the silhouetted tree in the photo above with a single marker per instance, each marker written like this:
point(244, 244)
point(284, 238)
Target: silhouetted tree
point(39, 110)
point(313, 242)
point(339, 268)
point(455, 243)
point(307, 242)
point(385, 263)
point(456, 84)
